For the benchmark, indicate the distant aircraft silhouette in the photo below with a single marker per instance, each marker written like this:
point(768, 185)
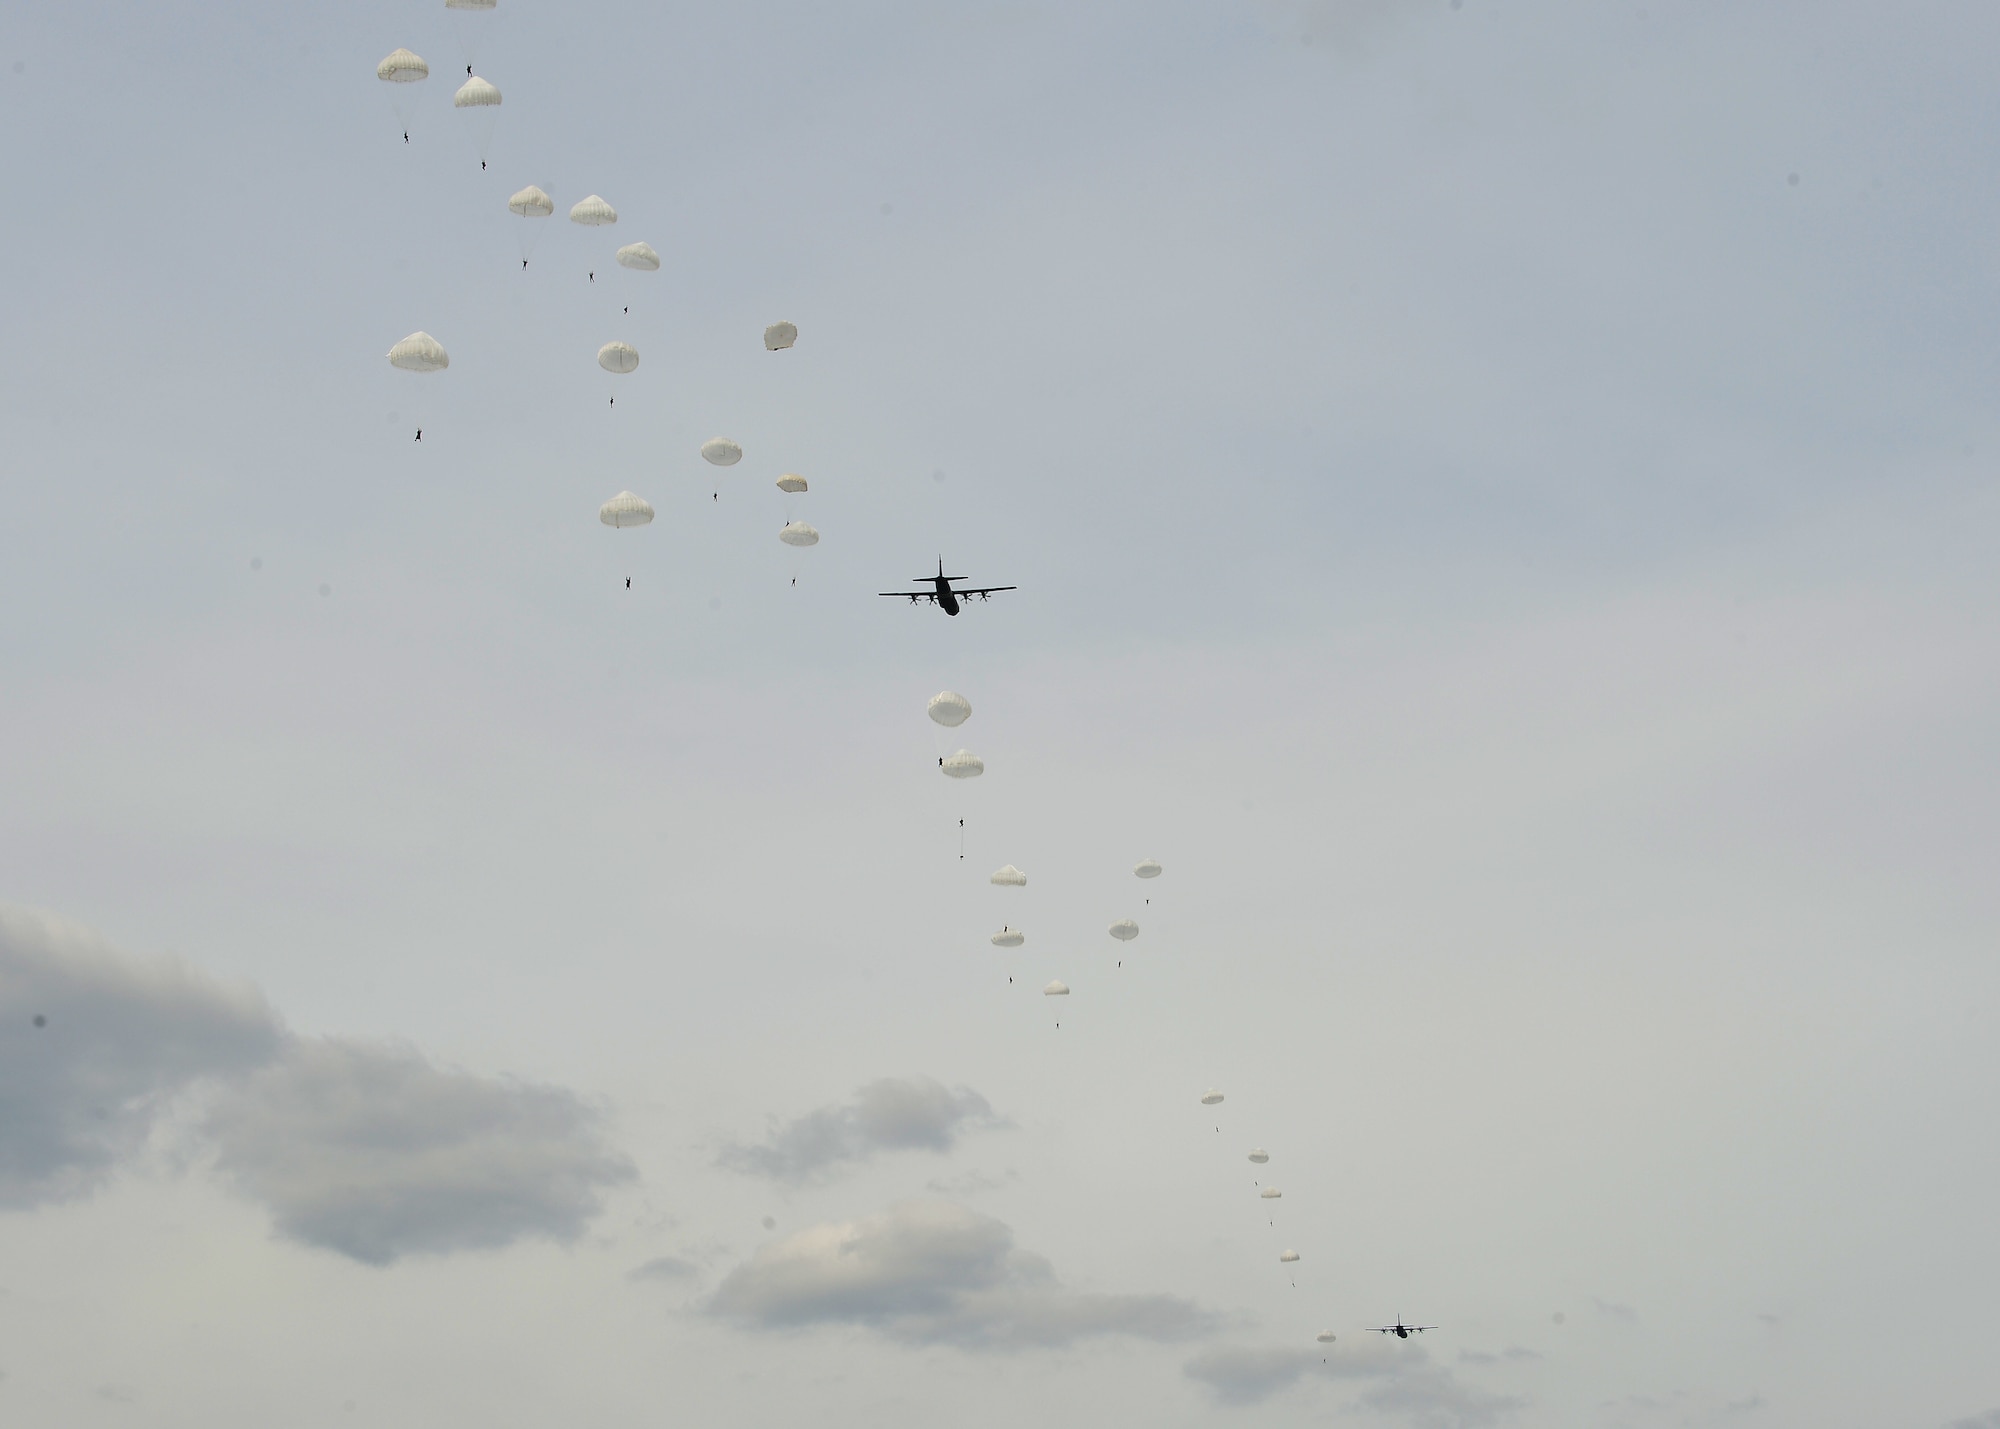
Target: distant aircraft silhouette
point(1400, 1330)
point(942, 595)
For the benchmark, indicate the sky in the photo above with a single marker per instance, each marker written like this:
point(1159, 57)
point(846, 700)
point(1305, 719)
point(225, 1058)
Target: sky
point(1500, 498)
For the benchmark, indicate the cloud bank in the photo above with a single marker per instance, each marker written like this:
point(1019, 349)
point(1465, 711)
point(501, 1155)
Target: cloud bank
point(373, 1152)
point(366, 1150)
point(1397, 1379)
point(893, 1114)
point(1239, 1375)
point(932, 1272)
point(120, 1038)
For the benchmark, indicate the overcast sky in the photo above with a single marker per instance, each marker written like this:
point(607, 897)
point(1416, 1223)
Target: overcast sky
point(1502, 503)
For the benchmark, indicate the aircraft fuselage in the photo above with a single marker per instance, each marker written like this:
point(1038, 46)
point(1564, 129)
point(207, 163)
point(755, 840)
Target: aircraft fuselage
point(945, 598)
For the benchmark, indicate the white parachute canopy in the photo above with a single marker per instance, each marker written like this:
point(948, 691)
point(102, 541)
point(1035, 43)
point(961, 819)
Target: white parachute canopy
point(1008, 938)
point(798, 533)
point(1210, 1097)
point(1272, 1193)
point(402, 67)
point(791, 483)
point(618, 357)
point(1124, 930)
point(640, 256)
point(1009, 877)
point(1287, 1257)
point(780, 335)
point(593, 212)
point(1259, 1155)
point(720, 451)
point(962, 765)
point(1147, 868)
point(531, 202)
point(1325, 1337)
point(624, 510)
point(1056, 989)
point(419, 352)
point(481, 99)
point(950, 709)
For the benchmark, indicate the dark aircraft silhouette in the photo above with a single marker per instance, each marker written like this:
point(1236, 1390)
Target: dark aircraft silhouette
point(942, 595)
point(1400, 1330)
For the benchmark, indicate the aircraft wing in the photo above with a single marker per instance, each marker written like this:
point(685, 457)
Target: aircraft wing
point(982, 591)
point(910, 594)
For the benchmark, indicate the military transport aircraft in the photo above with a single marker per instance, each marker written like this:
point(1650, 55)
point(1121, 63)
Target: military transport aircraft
point(1400, 1330)
point(942, 595)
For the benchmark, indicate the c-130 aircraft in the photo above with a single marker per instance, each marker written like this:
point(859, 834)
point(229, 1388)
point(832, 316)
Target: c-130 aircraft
point(1400, 1330)
point(942, 595)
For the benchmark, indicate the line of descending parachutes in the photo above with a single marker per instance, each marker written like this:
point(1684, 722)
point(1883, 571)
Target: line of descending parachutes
point(403, 72)
point(951, 710)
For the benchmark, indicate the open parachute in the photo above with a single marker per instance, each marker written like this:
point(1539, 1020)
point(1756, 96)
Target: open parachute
point(402, 67)
point(419, 352)
point(963, 765)
point(950, 709)
point(531, 202)
point(625, 509)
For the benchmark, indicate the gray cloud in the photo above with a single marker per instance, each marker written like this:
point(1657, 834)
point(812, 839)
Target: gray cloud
point(971, 1183)
point(1240, 1375)
point(1989, 1420)
point(371, 1151)
point(665, 1267)
point(122, 1037)
point(893, 1114)
point(365, 1150)
point(935, 1272)
point(1614, 1311)
point(1431, 1398)
point(1400, 1380)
